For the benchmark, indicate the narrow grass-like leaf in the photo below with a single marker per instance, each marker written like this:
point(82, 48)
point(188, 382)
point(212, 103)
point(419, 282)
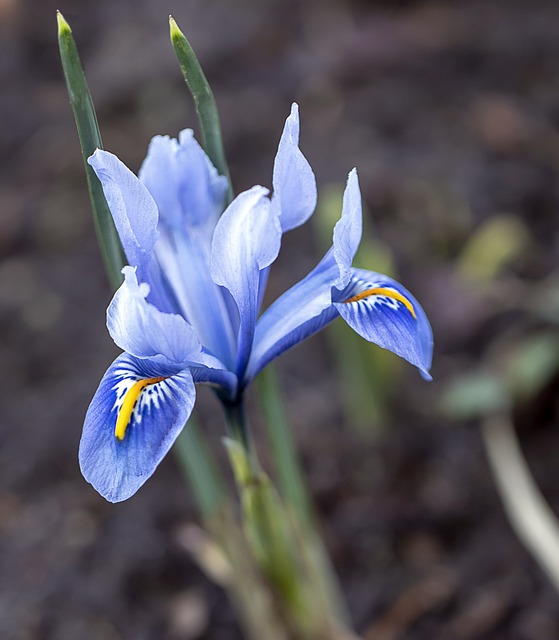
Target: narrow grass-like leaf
point(90, 139)
point(204, 100)
point(200, 469)
point(267, 526)
point(283, 448)
point(294, 492)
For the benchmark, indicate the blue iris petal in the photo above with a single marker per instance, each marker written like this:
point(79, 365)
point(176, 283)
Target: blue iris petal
point(246, 241)
point(307, 306)
point(190, 196)
point(296, 315)
point(118, 468)
point(140, 329)
point(188, 191)
point(387, 321)
point(185, 261)
point(293, 180)
point(132, 207)
point(348, 229)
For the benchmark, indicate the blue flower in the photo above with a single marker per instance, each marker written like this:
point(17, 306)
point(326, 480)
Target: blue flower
point(188, 309)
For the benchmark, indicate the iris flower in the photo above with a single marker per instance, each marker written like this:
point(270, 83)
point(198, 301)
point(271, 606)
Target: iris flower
point(188, 309)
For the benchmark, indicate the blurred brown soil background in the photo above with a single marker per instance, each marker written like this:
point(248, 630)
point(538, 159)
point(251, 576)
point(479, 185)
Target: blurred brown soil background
point(450, 111)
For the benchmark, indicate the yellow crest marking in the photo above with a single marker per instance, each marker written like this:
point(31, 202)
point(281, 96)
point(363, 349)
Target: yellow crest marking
point(389, 293)
point(128, 404)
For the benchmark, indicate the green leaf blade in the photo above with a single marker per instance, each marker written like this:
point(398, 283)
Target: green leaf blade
point(206, 107)
point(90, 140)
point(199, 467)
point(283, 448)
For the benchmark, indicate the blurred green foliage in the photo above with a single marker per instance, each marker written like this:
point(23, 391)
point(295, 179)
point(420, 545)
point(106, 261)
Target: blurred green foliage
point(498, 242)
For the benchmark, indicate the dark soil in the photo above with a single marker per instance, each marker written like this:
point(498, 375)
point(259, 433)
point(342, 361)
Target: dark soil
point(450, 111)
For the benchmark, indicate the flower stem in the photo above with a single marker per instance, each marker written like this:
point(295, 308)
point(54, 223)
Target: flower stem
point(237, 425)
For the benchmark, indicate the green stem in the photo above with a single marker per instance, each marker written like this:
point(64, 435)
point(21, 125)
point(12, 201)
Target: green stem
point(237, 425)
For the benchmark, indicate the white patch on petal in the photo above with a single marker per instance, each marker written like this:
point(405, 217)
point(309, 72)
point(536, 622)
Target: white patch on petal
point(359, 285)
point(149, 400)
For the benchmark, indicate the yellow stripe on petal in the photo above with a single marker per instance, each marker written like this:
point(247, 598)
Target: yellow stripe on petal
point(388, 293)
point(131, 397)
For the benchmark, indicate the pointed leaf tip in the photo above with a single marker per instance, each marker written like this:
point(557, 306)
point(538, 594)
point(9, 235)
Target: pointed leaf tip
point(175, 29)
point(90, 139)
point(203, 99)
point(63, 26)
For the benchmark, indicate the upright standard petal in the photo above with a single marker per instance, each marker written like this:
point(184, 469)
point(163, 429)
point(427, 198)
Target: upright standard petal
point(132, 207)
point(190, 196)
point(185, 260)
point(142, 330)
point(382, 311)
point(135, 416)
point(246, 240)
point(348, 229)
point(307, 306)
point(294, 183)
point(186, 187)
